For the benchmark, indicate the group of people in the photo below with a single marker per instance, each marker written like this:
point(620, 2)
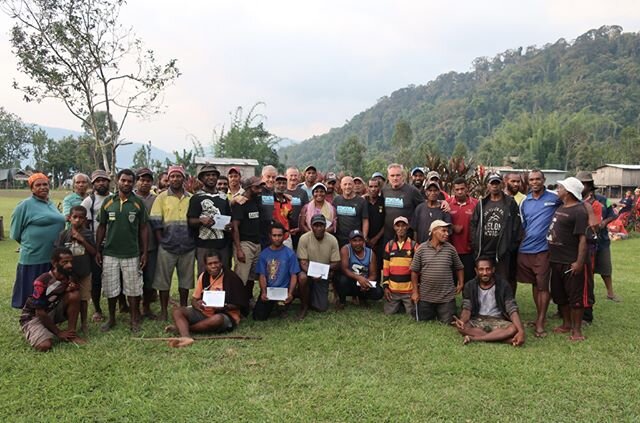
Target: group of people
point(403, 241)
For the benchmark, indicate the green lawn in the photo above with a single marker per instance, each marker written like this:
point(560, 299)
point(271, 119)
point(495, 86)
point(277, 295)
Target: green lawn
point(356, 365)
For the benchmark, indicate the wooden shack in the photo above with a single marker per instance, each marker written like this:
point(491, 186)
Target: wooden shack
point(614, 179)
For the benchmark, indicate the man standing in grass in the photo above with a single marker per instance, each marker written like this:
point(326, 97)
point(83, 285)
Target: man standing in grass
point(202, 318)
point(396, 274)
point(570, 279)
point(462, 207)
point(80, 186)
point(277, 268)
point(55, 298)
point(427, 212)
point(433, 289)
point(489, 312)
point(536, 211)
point(176, 245)
point(299, 199)
point(123, 228)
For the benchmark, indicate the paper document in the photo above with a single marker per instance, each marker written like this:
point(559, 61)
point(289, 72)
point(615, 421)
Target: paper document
point(373, 283)
point(277, 294)
point(213, 298)
point(318, 270)
point(220, 221)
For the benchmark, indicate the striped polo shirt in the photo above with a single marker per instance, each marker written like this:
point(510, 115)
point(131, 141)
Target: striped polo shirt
point(436, 268)
point(396, 267)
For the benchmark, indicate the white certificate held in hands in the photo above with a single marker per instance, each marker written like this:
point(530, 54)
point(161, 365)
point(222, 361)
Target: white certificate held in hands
point(318, 270)
point(277, 294)
point(220, 221)
point(213, 298)
point(372, 283)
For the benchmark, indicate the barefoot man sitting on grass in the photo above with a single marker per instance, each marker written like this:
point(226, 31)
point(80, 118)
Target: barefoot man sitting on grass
point(55, 299)
point(204, 319)
point(489, 312)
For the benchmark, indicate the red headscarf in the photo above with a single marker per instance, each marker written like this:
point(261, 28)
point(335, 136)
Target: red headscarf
point(33, 178)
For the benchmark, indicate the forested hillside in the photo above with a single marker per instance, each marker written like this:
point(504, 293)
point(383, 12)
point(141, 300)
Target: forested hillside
point(565, 105)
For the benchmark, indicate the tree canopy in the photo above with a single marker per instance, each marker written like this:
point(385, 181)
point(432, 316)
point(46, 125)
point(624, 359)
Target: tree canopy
point(566, 105)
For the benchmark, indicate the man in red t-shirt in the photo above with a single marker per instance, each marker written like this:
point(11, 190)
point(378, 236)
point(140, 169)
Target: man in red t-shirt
point(462, 206)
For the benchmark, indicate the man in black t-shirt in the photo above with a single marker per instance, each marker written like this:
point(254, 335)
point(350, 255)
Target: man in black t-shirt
point(352, 212)
point(400, 199)
point(299, 199)
point(429, 211)
point(571, 286)
point(203, 207)
point(495, 227)
point(375, 204)
point(245, 219)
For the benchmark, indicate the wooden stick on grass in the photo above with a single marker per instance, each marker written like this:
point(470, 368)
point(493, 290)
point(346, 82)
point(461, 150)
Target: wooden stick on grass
point(201, 338)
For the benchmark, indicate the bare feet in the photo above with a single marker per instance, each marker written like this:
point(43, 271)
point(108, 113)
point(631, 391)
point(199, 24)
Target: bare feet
point(84, 329)
point(107, 326)
point(78, 341)
point(561, 329)
point(181, 342)
point(301, 314)
point(339, 306)
point(171, 329)
point(163, 317)
point(466, 340)
point(97, 317)
point(135, 327)
point(355, 301)
point(614, 298)
point(576, 338)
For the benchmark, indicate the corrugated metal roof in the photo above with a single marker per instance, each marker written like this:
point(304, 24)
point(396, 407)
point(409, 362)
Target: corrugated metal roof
point(621, 166)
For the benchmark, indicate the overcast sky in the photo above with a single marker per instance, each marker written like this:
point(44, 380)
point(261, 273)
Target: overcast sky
point(314, 64)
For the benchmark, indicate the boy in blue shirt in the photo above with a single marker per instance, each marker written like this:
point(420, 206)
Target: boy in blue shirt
point(277, 268)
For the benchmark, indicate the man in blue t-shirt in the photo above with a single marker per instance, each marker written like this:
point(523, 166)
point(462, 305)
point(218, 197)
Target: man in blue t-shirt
point(536, 212)
point(277, 268)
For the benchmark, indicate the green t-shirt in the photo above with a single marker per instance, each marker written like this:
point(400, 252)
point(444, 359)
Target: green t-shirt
point(123, 220)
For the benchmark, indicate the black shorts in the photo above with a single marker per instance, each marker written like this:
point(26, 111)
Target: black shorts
point(575, 290)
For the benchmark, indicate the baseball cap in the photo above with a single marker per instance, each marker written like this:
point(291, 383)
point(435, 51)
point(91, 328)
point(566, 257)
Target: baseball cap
point(400, 219)
point(331, 176)
point(378, 175)
point(494, 177)
point(318, 218)
point(429, 183)
point(234, 169)
point(144, 171)
point(208, 168)
point(318, 185)
point(281, 178)
point(433, 174)
point(176, 168)
point(573, 185)
point(355, 234)
point(357, 178)
point(97, 174)
point(416, 170)
point(252, 181)
point(438, 224)
point(310, 167)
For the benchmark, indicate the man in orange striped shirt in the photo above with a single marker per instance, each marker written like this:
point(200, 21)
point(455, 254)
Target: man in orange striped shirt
point(396, 269)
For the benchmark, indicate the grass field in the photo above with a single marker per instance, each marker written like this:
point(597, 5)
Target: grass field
point(355, 365)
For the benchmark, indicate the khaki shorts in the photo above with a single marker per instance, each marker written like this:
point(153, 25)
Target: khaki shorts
point(36, 333)
point(84, 284)
point(489, 323)
point(166, 262)
point(247, 271)
point(398, 300)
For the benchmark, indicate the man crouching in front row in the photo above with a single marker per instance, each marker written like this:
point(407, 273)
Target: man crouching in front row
point(489, 312)
point(206, 319)
point(55, 298)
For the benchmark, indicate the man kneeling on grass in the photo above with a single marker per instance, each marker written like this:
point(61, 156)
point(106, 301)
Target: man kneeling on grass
point(205, 319)
point(55, 299)
point(489, 312)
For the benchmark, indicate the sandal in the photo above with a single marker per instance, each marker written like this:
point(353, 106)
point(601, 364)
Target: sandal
point(573, 338)
point(97, 317)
